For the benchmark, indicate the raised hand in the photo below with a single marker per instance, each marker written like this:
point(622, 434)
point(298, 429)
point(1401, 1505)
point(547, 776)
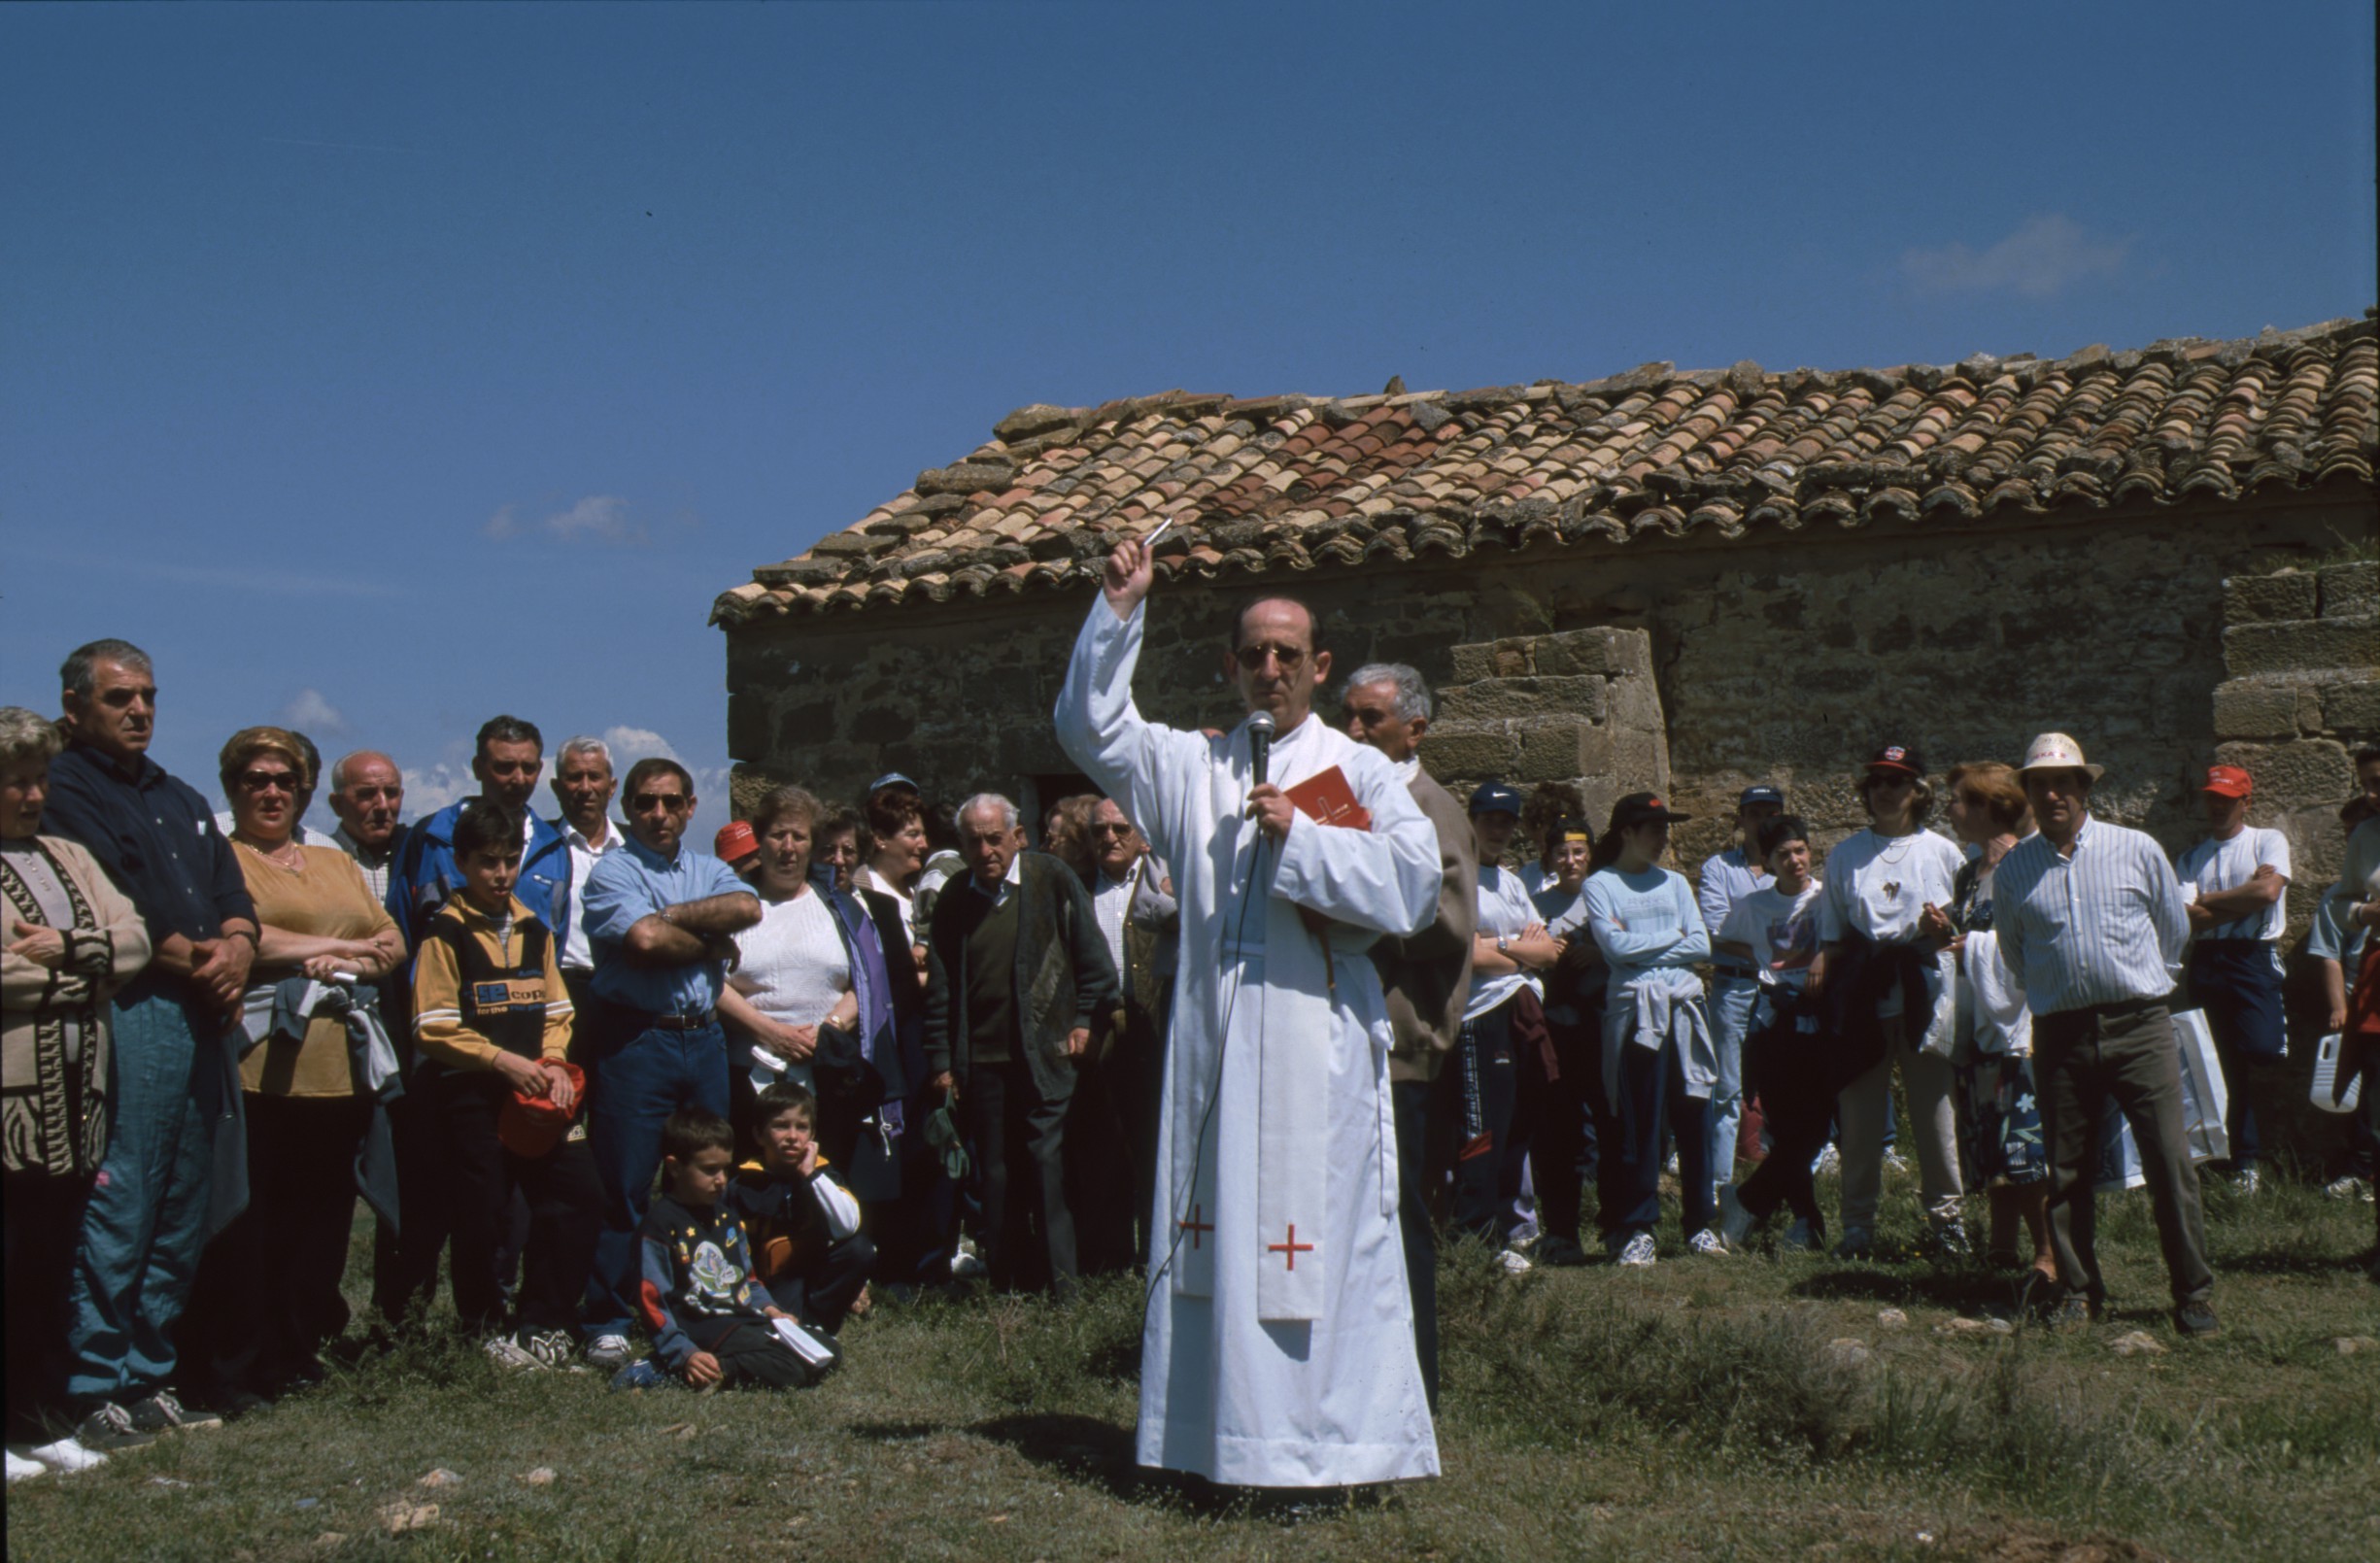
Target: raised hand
point(1128, 576)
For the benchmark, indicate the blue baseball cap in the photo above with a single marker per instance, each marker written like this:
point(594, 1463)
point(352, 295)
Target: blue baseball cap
point(1495, 798)
point(1762, 793)
point(891, 778)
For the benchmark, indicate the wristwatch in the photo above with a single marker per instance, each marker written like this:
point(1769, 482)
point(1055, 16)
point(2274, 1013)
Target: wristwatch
point(1504, 945)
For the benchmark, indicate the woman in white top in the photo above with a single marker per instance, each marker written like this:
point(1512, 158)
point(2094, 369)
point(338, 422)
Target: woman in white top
point(1887, 985)
point(1493, 1076)
point(792, 972)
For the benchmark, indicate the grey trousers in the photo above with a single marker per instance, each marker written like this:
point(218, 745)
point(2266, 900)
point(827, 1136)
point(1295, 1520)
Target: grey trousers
point(1864, 1111)
point(2086, 1061)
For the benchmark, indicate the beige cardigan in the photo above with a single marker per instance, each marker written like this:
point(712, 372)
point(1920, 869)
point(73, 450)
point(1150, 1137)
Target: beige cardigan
point(54, 1115)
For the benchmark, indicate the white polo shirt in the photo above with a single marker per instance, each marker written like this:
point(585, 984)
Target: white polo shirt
point(2214, 866)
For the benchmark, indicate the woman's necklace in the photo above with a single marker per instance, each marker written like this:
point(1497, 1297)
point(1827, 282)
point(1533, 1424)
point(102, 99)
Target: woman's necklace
point(289, 857)
point(1887, 856)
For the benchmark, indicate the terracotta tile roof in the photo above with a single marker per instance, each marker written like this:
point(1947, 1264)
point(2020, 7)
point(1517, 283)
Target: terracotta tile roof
point(1287, 483)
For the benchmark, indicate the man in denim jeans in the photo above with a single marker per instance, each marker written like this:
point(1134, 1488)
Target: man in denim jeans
point(661, 918)
point(1727, 877)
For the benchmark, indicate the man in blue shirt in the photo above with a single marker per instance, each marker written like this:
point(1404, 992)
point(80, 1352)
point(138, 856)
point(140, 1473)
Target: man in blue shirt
point(176, 1076)
point(661, 919)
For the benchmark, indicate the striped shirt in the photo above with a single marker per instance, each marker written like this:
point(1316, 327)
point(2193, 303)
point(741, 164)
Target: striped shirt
point(2104, 926)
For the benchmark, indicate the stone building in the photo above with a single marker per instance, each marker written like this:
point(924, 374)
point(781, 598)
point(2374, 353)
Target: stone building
point(1682, 580)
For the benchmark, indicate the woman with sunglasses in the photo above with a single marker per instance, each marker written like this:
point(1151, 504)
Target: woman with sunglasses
point(267, 1296)
point(1887, 982)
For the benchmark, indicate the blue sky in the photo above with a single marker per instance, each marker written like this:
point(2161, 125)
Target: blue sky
point(380, 368)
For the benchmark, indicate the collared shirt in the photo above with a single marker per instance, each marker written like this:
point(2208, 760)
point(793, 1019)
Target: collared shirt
point(158, 839)
point(375, 864)
point(577, 951)
point(998, 896)
point(1111, 901)
point(639, 882)
point(1727, 877)
point(2215, 866)
point(2104, 926)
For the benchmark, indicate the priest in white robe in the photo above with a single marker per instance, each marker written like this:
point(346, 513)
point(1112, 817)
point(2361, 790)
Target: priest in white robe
point(1278, 1344)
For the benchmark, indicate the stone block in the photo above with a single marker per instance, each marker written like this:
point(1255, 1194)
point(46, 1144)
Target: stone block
point(1468, 753)
point(749, 724)
point(1636, 703)
point(2351, 591)
point(2256, 708)
point(1473, 663)
point(2306, 774)
point(2288, 595)
point(1497, 698)
point(1640, 762)
point(2302, 645)
point(2352, 707)
point(1562, 748)
point(1573, 652)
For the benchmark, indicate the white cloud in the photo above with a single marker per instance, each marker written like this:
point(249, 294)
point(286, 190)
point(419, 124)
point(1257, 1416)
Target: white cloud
point(632, 744)
point(2048, 253)
point(599, 518)
point(310, 713)
point(431, 787)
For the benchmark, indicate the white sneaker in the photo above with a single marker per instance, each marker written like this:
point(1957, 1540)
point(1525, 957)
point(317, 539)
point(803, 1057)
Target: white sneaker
point(21, 1467)
point(1514, 1262)
point(1830, 1160)
point(508, 1353)
point(1671, 1166)
point(2248, 1180)
point(608, 1353)
point(1706, 1243)
point(1637, 1251)
point(1895, 1162)
point(1735, 1223)
point(2348, 1188)
point(966, 1264)
point(66, 1458)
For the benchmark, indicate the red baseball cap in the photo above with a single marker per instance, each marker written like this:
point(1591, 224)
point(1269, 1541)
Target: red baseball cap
point(531, 1126)
point(735, 841)
point(2229, 780)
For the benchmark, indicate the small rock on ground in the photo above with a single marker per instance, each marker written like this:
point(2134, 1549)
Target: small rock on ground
point(398, 1517)
point(542, 1477)
point(2349, 1345)
point(441, 1478)
point(1892, 1318)
point(2137, 1344)
point(1848, 1352)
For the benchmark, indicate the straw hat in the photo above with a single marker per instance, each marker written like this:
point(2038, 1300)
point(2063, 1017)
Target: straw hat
point(2054, 751)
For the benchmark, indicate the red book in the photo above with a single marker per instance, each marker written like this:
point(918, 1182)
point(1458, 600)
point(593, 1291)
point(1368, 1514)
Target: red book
point(1326, 798)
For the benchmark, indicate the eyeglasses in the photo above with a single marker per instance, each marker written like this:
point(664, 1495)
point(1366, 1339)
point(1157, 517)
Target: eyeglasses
point(643, 801)
point(1287, 657)
point(1112, 830)
point(256, 781)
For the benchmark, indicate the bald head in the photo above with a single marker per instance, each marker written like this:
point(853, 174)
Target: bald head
point(1274, 659)
point(367, 793)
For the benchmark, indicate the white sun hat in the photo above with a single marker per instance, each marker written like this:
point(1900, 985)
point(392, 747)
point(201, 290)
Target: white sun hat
point(2054, 751)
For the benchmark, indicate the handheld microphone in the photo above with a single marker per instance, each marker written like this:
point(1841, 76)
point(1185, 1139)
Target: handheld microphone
point(1260, 745)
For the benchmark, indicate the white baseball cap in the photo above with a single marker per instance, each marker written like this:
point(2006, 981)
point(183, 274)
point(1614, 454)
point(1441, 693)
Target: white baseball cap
point(2054, 751)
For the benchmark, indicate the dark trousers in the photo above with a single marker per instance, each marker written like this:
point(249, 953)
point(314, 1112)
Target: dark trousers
point(1099, 1170)
point(45, 1213)
point(1788, 1071)
point(1413, 1101)
point(753, 1356)
point(639, 1076)
point(405, 1257)
point(1653, 1098)
point(1517, 1160)
point(565, 1210)
point(1474, 1114)
point(914, 1233)
point(2238, 985)
point(820, 1294)
point(1017, 1138)
point(1563, 1146)
point(2084, 1062)
point(267, 1295)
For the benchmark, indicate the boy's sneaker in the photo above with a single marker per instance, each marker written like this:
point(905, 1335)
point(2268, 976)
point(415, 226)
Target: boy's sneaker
point(509, 1352)
point(1637, 1251)
point(1858, 1243)
point(1706, 1243)
point(1830, 1160)
point(645, 1373)
point(2350, 1187)
point(1514, 1262)
point(552, 1349)
point(161, 1413)
point(105, 1428)
point(20, 1467)
point(608, 1353)
point(66, 1458)
point(1735, 1223)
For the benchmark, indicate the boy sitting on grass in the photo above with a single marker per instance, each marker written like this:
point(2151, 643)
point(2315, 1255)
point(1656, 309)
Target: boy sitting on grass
point(804, 1225)
point(711, 1324)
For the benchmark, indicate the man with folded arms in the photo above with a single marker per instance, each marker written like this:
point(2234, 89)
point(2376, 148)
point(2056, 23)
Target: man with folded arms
point(2235, 880)
point(2092, 920)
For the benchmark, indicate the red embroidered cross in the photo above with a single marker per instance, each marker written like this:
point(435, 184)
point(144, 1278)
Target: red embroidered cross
point(1292, 1247)
point(1194, 1226)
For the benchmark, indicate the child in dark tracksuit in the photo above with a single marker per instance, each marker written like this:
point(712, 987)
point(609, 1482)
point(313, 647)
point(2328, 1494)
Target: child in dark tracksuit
point(804, 1225)
point(710, 1321)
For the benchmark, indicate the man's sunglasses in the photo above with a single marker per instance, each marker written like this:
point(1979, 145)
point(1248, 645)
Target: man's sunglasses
point(672, 802)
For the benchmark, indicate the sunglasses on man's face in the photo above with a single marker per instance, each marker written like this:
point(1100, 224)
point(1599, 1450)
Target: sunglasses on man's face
point(1112, 830)
point(645, 802)
point(1287, 657)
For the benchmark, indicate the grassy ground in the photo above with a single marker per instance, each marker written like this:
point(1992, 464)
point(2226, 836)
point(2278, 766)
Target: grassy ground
point(1698, 1408)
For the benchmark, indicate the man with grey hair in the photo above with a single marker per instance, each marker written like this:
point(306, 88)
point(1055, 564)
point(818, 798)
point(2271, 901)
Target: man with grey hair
point(1017, 977)
point(583, 785)
point(1426, 976)
point(177, 1085)
point(367, 793)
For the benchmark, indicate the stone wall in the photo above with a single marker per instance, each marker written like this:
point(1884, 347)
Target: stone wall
point(1578, 706)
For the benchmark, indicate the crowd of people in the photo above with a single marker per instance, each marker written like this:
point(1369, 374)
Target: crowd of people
point(611, 1086)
